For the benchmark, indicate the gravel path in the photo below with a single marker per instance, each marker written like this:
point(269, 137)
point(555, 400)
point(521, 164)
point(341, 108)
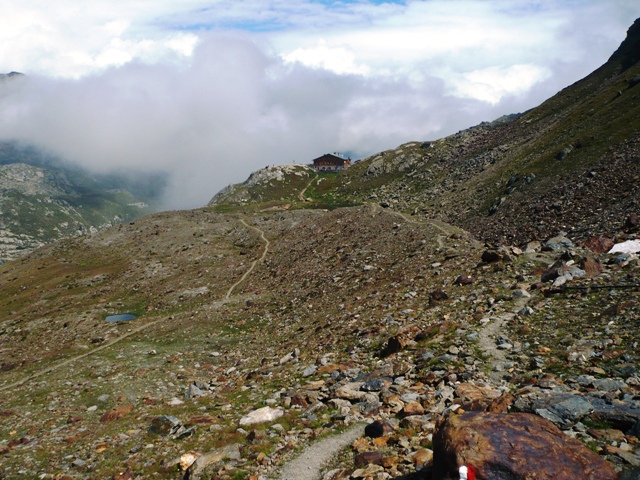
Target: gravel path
point(309, 464)
point(491, 331)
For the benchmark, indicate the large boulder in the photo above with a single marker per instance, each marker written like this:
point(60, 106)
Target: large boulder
point(517, 446)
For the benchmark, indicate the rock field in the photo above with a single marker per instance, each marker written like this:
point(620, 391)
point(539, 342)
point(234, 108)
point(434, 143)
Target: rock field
point(356, 316)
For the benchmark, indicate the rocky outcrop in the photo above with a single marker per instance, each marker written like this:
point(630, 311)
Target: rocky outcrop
point(512, 447)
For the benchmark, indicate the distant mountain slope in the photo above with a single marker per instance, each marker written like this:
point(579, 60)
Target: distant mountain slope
point(42, 200)
point(573, 163)
point(277, 183)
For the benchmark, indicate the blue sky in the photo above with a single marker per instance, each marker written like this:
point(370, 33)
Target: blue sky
point(210, 90)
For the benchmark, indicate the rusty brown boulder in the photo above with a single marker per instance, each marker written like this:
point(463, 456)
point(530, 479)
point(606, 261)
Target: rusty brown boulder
point(599, 244)
point(116, 413)
point(517, 446)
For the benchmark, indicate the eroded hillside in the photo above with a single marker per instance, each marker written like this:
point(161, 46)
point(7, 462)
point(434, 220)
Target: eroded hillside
point(338, 299)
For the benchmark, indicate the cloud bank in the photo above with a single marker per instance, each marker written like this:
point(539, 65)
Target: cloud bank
point(214, 91)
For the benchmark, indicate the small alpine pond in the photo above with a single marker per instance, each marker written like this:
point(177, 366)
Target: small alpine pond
point(123, 317)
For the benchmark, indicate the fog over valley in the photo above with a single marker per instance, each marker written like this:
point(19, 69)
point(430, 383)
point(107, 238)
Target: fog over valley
point(224, 100)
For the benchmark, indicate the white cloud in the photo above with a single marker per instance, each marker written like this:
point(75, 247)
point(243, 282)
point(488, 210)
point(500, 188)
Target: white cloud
point(491, 84)
point(336, 59)
point(159, 85)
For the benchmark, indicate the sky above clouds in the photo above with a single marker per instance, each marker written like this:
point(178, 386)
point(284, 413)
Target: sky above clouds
point(210, 90)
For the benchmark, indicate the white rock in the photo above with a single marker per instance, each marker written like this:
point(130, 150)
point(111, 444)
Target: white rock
point(187, 459)
point(630, 246)
point(261, 415)
point(287, 358)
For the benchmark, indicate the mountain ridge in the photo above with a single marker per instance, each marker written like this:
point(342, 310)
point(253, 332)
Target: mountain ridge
point(43, 200)
point(584, 138)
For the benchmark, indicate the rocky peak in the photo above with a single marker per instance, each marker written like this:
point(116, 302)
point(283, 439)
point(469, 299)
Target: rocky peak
point(628, 53)
point(10, 75)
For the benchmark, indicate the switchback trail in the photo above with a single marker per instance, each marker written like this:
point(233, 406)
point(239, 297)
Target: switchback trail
point(267, 243)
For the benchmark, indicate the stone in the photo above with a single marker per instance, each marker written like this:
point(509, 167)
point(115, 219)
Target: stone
point(116, 413)
point(635, 430)
point(622, 416)
point(378, 429)
point(533, 247)
point(519, 293)
point(194, 391)
point(261, 415)
point(310, 370)
point(563, 409)
point(373, 385)
point(368, 458)
point(394, 345)
point(187, 459)
point(591, 267)
point(438, 295)
point(630, 246)
point(608, 384)
point(287, 358)
point(599, 244)
point(572, 409)
point(502, 403)
point(515, 446)
point(629, 457)
point(552, 272)
point(469, 392)
point(490, 256)
point(422, 457)
point(369, 471)
point(349, 392)
point(562, 154)
point(165, 425)
point(412, 408)
point(463, 280)
point(231, 452)
point(557, 243)
point(419, 422)
point(632, 223)
point(633, 474)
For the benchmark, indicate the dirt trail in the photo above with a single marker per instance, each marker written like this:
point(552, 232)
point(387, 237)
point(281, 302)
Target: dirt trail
point(84, 355)
point(267, 243)
point(141, 327)
point(302, 192)
point(309, 465)
point(446, 229)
